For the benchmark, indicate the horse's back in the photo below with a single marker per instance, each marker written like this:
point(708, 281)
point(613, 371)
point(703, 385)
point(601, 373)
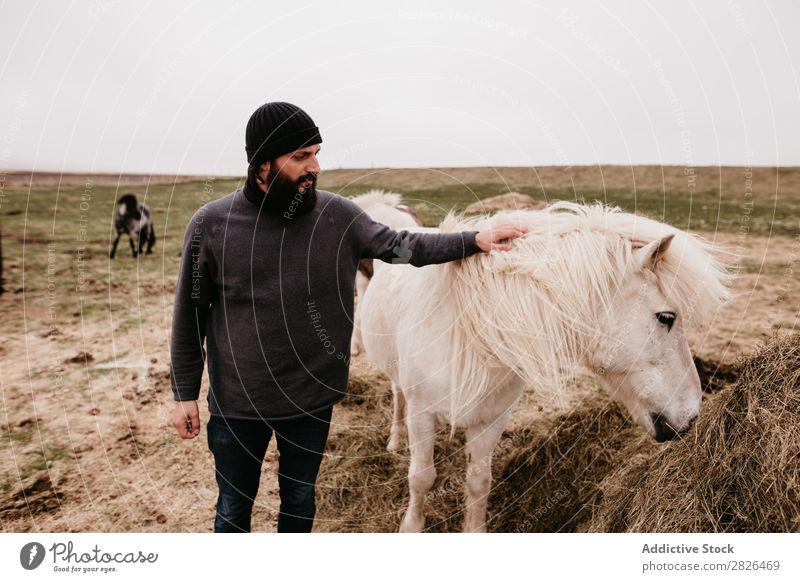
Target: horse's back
point(124, 221)
point(391, 216)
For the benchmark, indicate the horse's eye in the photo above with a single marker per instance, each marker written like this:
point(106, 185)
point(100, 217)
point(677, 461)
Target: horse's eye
point(667, 318)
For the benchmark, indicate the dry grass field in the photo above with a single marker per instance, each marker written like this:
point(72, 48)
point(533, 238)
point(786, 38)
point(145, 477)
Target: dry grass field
point(84, 342)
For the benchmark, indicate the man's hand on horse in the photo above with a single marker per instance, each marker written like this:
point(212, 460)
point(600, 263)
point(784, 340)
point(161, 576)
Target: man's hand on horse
point(494, 239)
point(186, 419)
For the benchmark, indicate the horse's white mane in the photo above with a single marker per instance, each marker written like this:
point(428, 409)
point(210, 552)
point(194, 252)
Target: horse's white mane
point(373, 197)
point(531, 308)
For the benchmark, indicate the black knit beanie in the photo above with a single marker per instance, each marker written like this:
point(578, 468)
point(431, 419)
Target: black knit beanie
point(277, 128)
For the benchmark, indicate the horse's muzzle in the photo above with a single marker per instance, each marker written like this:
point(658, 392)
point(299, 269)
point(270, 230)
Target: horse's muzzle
point(664, 430)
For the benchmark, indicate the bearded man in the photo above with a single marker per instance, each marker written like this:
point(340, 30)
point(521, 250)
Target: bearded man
point(267, 283)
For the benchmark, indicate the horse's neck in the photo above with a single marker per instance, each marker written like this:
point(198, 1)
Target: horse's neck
point(528, 342)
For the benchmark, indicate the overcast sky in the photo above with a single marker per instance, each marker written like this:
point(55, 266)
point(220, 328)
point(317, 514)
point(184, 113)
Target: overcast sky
point(168, 87)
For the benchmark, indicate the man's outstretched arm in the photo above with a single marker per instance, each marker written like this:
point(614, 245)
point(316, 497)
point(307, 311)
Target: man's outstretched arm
point(425, 248)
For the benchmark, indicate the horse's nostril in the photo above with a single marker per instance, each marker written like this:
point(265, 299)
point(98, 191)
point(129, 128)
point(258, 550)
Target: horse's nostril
point(663, 429)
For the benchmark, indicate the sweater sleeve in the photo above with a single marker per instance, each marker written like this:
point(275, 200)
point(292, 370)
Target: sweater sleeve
point(194, 297)
point(378, 241)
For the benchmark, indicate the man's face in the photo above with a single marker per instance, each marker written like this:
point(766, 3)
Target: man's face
point(295, 171)
point(290, 182)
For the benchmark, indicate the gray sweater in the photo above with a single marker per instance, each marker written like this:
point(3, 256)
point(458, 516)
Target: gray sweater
point(274, 301)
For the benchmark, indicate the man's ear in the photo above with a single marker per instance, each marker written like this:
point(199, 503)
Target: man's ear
point(651, 254)
point(262, 169)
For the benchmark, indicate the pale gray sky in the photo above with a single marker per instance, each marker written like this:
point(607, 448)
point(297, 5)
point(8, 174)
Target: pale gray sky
point(167, 87)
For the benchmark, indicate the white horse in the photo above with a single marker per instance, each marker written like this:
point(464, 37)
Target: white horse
point(386, 208)
point(586, 287)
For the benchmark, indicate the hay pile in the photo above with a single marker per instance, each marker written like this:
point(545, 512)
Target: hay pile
point(364, 488)
point(738, 469)
point(549, 481)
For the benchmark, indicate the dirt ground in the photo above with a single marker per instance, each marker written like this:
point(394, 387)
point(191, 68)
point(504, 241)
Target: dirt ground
point(85, 406)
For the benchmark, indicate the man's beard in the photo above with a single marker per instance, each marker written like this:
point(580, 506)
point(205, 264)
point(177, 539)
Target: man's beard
point(284, 197)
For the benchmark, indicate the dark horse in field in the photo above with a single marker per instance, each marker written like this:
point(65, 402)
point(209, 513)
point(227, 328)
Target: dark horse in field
point(133, 217)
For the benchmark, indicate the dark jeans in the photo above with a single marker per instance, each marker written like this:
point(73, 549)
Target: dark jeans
point(239, 446)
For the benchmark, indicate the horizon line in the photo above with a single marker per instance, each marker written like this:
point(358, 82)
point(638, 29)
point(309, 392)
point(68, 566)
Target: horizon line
point(17, 171)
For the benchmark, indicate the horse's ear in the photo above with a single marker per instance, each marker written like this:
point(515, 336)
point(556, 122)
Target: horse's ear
point(651, 254)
